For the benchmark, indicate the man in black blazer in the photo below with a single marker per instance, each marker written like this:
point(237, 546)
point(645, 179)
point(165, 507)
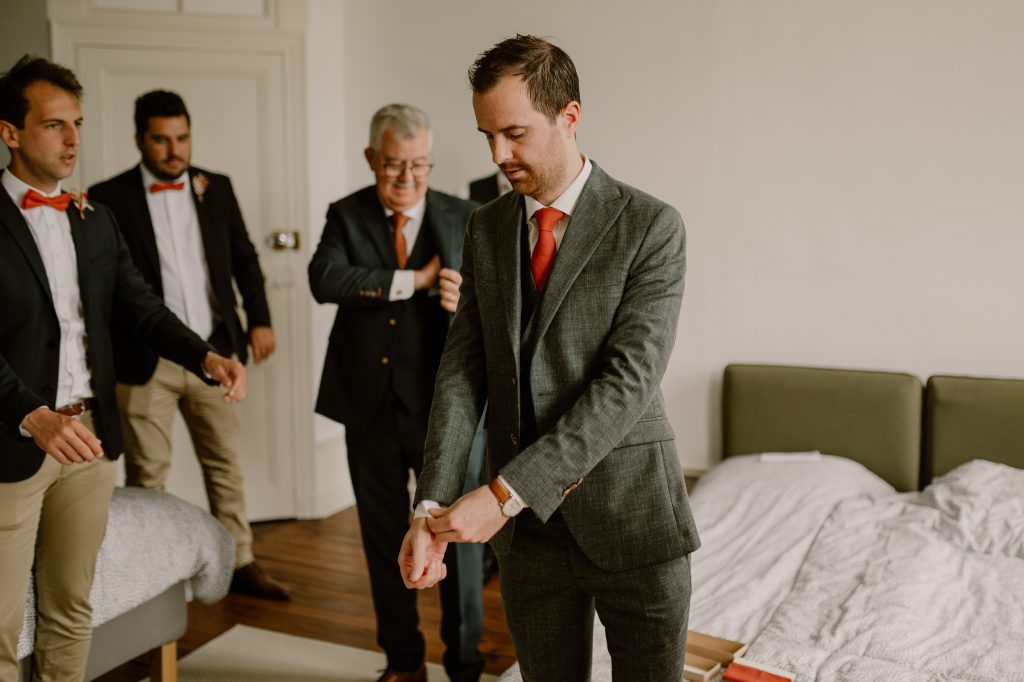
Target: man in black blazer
point(389, 259)
point(488, 188)
point(185, 232)
point(64, 269)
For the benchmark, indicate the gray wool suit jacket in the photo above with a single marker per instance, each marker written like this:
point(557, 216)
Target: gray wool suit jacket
point(599, 342)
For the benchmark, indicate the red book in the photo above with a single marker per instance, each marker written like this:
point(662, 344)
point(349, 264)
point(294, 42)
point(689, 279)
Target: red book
point(742, 670)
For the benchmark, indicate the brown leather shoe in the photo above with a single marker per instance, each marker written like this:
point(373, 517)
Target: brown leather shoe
point(399, 676)
point(253, 580)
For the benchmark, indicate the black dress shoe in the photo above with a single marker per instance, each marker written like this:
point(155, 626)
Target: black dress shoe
point(253, 580)
point(400, 676)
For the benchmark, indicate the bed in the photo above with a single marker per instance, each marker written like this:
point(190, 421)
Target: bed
point(834, 566)
point(158, 552)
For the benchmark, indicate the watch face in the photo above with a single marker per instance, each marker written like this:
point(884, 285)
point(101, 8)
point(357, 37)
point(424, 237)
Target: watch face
point(511, 507)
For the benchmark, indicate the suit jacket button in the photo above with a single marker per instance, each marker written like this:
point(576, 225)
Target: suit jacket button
point(514, 438)
point(392, 322)
point(514, 382)
point(384, 360)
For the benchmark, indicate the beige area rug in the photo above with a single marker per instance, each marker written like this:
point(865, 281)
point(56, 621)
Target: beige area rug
point(245, 654)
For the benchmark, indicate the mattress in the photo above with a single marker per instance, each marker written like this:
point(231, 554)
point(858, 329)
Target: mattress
point(153, 541)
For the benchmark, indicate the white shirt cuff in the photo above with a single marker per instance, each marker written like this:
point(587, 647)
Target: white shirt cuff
point(403, 285)
point(512, 492)
point(423, 509)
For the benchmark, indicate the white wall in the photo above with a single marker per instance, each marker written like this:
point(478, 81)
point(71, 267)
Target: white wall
point(328, 173)
point(849, 172)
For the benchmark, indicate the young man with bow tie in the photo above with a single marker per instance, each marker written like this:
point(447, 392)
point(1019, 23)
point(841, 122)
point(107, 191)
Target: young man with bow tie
point(64, 269)
point(185, 232)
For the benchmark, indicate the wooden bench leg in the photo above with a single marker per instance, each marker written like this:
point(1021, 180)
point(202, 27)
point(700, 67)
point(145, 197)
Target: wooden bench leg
point(163, 663)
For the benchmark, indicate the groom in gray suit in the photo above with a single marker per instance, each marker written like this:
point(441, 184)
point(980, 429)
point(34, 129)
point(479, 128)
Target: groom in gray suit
point(571, 289)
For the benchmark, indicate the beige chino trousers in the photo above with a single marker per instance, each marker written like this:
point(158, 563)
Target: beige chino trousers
point(147, 416)
point(56, 519)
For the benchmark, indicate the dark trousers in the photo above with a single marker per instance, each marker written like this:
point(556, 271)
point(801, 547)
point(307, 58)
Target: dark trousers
point(551, 589)
point(381, 454)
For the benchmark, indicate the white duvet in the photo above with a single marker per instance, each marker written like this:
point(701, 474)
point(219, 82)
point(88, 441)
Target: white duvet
point(920, 586)
point(153, 541)
point(756, 522)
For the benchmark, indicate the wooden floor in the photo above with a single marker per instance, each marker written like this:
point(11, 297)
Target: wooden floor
point(323, 563)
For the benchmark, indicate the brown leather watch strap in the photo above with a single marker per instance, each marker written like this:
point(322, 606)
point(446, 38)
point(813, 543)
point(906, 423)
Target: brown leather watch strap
point(500, 491)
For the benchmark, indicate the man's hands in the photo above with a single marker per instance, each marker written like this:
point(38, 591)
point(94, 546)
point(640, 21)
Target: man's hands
point(63, 438)
point(263, 344)
point(421, 559)
point(474, 517)
point(230, 374)
point(426, 277)
point(449, 280)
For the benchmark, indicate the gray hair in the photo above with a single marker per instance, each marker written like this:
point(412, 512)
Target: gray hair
point(404, 120)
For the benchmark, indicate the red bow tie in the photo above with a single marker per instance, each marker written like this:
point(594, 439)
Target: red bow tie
point(163, 186)
point(34, 199)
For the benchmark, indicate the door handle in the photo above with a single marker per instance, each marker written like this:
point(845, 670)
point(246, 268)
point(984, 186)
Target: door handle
point(283, 240)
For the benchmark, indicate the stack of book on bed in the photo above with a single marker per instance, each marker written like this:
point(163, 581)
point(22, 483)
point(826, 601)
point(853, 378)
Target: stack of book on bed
point(742, 670)
point(707, 655)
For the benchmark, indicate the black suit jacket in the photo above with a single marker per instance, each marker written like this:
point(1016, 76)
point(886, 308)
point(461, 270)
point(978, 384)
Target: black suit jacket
point(353, 266)
point(229, 254)
point(30, 333)
point(483, 190)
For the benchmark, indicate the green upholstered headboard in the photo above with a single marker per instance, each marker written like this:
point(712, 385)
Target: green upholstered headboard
point(971, 418)
point(871, 417)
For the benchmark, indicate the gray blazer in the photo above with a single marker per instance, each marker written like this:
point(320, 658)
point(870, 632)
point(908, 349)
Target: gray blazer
point(600, 341)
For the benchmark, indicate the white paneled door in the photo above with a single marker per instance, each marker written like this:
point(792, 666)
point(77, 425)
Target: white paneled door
point(242, 93)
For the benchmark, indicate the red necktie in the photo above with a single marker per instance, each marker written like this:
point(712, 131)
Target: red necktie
point(398, 221)
point(543, 256)
point(32, 199)
point(164, 186)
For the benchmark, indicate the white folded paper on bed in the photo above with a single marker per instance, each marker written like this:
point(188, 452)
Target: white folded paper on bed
point(789, 456)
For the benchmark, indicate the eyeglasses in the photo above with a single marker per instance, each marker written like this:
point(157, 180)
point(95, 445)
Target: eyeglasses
point(394, 169)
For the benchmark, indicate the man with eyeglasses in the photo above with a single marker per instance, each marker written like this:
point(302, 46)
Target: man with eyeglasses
point(389, 258)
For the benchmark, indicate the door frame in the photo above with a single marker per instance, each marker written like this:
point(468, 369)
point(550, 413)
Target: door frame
point(75, 24)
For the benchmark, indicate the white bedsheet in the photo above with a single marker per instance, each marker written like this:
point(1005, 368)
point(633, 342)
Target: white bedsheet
point(756, 522)
point(921, 586)
point(153, 541)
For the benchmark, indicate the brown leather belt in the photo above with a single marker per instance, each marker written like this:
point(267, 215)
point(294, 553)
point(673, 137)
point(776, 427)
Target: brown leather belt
point(75, 409)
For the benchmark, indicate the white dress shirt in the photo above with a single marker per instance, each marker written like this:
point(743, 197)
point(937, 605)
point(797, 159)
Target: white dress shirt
point(51, 231)
point(403, 284)
point(566, 203)
point(179, 243)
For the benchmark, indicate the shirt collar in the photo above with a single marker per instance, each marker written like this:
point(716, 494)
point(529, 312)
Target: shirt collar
point(414, 213)
point(17, 189)
point(148, 178)
point(566, 201)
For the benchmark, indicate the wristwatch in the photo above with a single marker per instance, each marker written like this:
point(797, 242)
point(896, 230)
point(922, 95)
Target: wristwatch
point(509, 505)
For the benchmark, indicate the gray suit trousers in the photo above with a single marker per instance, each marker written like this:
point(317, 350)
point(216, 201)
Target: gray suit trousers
point(551, 589)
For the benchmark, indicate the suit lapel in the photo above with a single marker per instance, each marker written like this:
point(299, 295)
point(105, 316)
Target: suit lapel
point(142, 223)
point(11, 217)
point(506, 253)
point(199, 185)
point(79, 237)
point(376, 230)
point(442, 226)
point(598, 207)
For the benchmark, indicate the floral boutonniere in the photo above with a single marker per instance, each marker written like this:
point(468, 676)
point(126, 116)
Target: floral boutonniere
point(199, 184)
point(81, 201)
